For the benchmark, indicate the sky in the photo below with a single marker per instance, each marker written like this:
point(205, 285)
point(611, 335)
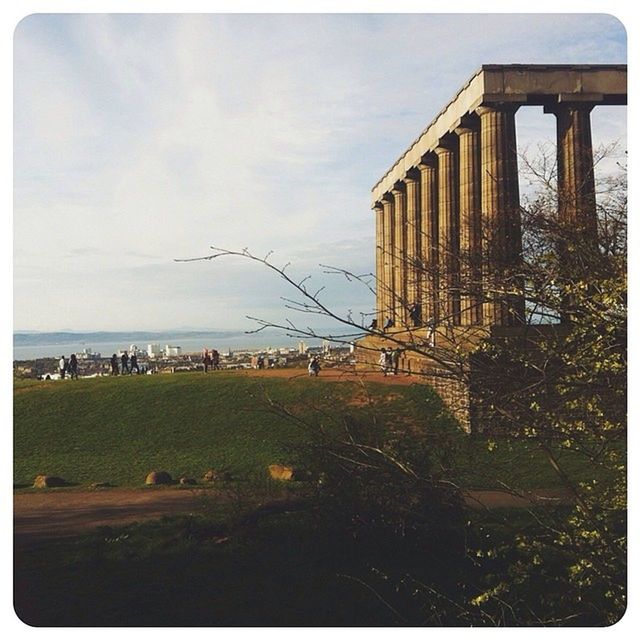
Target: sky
point(144, 139)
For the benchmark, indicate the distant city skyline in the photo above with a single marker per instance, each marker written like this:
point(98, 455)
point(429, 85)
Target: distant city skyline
point(30, 345)
point(141, 139)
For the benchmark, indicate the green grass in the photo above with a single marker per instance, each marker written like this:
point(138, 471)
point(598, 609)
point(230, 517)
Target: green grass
point(116, 430)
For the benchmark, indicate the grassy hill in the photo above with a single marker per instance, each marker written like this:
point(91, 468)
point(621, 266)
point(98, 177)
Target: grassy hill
point(118, 429)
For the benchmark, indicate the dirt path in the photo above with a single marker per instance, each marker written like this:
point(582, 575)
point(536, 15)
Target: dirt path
point(44, 516)
point(333, 375)
point(40, 517)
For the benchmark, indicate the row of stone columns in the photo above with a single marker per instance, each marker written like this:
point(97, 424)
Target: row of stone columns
point(449, 232)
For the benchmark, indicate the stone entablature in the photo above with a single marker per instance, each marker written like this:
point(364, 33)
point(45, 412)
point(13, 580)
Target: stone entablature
point(522, 84)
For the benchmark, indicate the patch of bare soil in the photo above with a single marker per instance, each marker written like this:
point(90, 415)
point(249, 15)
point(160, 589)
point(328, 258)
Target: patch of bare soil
point(42, 516)
point(488, 499)
point(334, 375)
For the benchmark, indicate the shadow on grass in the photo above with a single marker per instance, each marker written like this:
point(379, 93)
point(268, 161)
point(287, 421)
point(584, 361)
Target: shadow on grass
point(185, 572)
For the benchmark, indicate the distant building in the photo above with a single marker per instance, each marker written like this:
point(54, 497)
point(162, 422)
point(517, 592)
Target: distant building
point(154, 351)
point(302, 348)
point(172, 351)
point(88, 354)
point(134, 349)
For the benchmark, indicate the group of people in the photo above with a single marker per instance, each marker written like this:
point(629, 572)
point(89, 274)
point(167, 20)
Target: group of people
point(415, 316)
point(388, 324)
point(390, 360)
point(127, 364)
point(68, 366)
point(210, 359)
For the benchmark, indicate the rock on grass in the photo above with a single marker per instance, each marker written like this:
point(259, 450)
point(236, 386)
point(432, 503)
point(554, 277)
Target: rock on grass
point(46, 482)
point(159, 477)
point(280, 472)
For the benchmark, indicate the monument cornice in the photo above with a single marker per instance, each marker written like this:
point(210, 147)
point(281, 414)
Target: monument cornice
point(514, 85)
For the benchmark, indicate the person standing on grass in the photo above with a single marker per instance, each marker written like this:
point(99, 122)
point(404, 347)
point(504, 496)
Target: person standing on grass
point(382, 361)
point(215, 359)
point(73, 366)
point(62, 366)
point(124, 360)
point(388, 361)
point(134, 364)
point(114, 365)
point(206, 360)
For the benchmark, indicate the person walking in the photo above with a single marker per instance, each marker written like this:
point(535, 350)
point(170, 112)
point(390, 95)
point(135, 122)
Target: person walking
point(395, 360)
point(114, 365)
point(134, 364)
point(124, 361)
point(215, 359)
point(314, 366)
point(206, 360)
point(62, 366)
point(73, 366)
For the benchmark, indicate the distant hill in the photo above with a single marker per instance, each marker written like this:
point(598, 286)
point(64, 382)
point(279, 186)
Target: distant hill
point(28, 339)
point(35, 338)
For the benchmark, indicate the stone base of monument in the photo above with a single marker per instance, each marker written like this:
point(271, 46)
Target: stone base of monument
point(441, 359)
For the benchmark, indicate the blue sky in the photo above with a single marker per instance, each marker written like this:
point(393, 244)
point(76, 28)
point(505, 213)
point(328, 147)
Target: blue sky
point(139, 139)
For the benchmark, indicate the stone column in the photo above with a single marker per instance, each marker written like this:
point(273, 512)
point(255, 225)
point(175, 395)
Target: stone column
point(380, 282)
point(400, 254)
point(576, 185)
point(429, 267)
point(414, 269)
point(501, 231)
point(448, 233)
point(388, 257)
point(470, 224)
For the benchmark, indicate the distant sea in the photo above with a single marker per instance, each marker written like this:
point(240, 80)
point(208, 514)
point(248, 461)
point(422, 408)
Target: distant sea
point(31, 345)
